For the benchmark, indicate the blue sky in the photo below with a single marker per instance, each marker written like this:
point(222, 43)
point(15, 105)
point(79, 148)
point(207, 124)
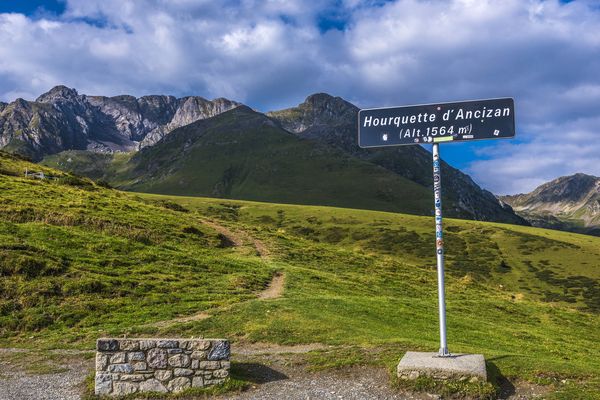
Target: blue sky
point(271, 54)
point(32, 7)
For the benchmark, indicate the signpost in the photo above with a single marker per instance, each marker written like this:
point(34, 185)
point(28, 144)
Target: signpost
point(433, 124)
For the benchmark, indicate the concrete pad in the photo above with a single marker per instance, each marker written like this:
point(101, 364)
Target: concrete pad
point(457, 366)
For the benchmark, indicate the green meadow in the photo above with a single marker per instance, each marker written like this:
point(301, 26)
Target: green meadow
point(79, 261)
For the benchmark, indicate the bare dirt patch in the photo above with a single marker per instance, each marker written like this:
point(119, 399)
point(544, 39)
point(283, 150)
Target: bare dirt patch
point(239, 238)
point(275, 288)
point(249, 349)
point(195, 317)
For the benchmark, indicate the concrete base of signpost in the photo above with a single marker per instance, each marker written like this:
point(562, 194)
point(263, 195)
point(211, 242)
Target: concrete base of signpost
point(464, 367)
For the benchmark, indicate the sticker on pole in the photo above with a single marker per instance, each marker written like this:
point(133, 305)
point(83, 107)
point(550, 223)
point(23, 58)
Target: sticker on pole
point(436, 123)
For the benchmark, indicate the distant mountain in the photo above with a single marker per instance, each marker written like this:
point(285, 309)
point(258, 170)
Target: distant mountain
point(192, 146)
point(333, 121)
point(62, 119)
point(567, 203)
point(243, 154)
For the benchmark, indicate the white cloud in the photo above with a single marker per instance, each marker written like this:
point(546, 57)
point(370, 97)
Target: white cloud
point(271, 54)
point(553, 149)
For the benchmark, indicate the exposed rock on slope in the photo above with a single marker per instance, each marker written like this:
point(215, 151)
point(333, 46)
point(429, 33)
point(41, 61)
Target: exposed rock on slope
point(62, 119)
point(191, 109)
point(568, 203)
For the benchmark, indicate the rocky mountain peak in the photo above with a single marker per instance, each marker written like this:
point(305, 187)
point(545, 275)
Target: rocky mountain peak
point(58, 93)
point(317, 110)
point(573, 188)
point(319, 98)
point(20, 104)
point(327, 109)
point(189, 109)
point(62, 119)
point(568, 203)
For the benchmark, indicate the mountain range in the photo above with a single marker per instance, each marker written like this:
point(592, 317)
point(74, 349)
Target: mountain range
point(570, 203)
point(62, 119)
point(192, 146)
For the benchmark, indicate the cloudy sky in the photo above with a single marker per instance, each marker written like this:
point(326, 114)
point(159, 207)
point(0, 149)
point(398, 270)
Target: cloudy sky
point(271, 54)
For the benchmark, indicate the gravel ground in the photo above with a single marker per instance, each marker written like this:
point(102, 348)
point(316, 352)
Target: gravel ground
point(15, 384)
point(355, 384)
point(274, 371)
point(62, 386)
point(273, 375)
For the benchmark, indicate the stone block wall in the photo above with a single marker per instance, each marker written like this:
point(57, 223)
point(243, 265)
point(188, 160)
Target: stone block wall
point(125, 366)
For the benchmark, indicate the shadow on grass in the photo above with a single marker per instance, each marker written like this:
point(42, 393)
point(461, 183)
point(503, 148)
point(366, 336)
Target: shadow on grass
point(256, 373)
point(505, 388)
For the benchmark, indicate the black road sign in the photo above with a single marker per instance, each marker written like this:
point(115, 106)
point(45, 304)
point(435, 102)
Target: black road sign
point(436, 123)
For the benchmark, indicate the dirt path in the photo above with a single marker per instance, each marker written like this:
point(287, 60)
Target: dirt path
point(273, 291)
point(234, 238)
point(239, 238)
point(275, 288)
point(254, 349)
point(189, 318)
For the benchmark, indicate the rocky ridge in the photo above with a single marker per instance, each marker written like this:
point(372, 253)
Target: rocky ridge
point(567, 203)
point(62, 119)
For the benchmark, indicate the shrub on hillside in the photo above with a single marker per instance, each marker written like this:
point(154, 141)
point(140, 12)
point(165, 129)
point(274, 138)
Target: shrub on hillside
point(174, 206)
point(503, 267)
point(192, 230)
point(76, 181)
point(36, 320)
point(29, 266)
point(104, 184)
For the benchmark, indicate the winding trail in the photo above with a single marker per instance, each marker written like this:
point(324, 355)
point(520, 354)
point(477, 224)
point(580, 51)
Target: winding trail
point(239, 238)
point(275, 288)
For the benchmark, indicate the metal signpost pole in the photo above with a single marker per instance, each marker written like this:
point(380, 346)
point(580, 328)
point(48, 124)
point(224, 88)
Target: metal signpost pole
point(439, 248)
point(431, 124)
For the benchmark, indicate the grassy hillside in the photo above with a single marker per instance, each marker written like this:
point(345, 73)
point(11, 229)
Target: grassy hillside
point(97, 166)
point(78, 261)
point(242, 154)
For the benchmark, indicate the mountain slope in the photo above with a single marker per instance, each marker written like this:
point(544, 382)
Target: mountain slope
point(567, 203)
point(333, 121)
point(79, 261)
point(62, 119)
point(89, 135)
point(243, 154)
point(74, 255)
